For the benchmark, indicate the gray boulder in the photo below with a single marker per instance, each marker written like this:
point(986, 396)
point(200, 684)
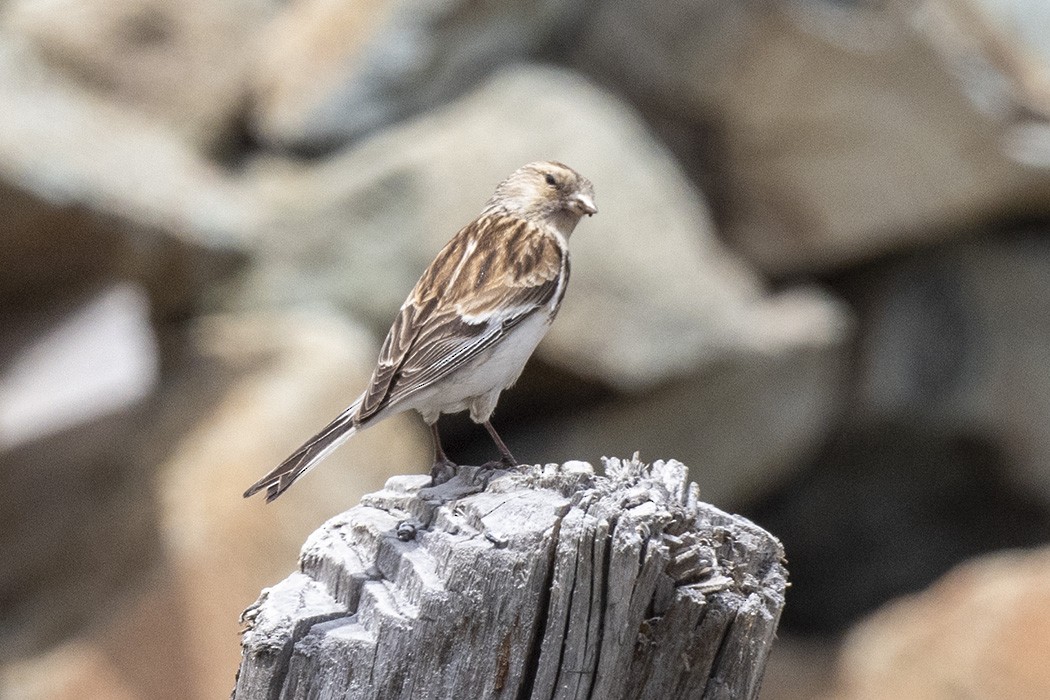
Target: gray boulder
point(956, 342)
point(840, 130)
point(331, 72)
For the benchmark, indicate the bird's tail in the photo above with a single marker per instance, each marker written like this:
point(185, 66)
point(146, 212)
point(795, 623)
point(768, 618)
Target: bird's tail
point(306, 457)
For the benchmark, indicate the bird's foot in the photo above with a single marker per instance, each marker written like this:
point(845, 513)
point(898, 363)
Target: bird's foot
point(501, 463)
point(441, 471)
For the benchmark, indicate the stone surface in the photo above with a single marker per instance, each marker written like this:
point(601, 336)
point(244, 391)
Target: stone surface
point(943, 450)
point(77, 526)
point(744, 424)
point(333, 71)
point(77, 670)
point(839, 130)
point(653, 295)
point(981, 631)
point(151, 665)
point(307, 57)
point(999, 53)
point(93, 191)
point(547, 582)
point(799, 668)
point(884, 511)
point(121, 654)
point(100, 358)
point(954, 342)
point(93, 196)
point(184, 62)
point(111, 550)
point(295, 372)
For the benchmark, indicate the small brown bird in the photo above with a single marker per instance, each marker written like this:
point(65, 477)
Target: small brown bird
point(471, 322)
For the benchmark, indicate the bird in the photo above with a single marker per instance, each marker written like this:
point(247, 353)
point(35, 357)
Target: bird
point(470, 323)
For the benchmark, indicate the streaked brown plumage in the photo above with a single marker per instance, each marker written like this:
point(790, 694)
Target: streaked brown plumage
point(473, 319)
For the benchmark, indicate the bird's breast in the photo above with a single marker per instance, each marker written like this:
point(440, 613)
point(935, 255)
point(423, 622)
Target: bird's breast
point(489, 373)
point(500, 365)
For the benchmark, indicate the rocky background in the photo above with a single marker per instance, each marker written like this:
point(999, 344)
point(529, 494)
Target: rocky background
point(820, 276)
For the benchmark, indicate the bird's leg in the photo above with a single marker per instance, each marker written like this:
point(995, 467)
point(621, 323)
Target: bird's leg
point(506, 458)
point(443, 468)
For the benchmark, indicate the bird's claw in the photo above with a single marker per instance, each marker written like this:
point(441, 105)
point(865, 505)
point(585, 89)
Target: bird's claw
point(441, 471)
point(502, 463)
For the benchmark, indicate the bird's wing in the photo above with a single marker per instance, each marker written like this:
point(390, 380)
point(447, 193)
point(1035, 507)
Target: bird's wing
point(491, 275)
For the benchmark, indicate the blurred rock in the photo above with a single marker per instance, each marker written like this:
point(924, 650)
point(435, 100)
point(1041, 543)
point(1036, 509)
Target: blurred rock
point(77, 526)
point(884, 510)
point(184, 62)
point(135, 649)
point(799, 668)
point(78, 391)
point(152, 665)
point(49, 248)
point(93, 197)
point(332, 71)
point(296, 372)
point(90, 191)
point(116, 554)
point(946, 445)
point(308, 57)
point(653, 295)
point(840, 129)
point(745, 422)
point(75, 671)
point(955, 342)
point(1000, 53)
point(982, 631)
point(100, 358)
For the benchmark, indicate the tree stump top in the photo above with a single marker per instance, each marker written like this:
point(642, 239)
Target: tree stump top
point(549, 582)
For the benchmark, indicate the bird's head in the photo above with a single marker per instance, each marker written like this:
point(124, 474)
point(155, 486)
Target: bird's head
point(548, 192)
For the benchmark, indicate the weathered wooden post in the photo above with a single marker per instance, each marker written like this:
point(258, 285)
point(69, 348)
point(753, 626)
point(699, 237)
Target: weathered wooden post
point(551, 582)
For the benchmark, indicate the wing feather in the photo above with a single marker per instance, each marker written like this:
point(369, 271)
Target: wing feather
point(492, 275)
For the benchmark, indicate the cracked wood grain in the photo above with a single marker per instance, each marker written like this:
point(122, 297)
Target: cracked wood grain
point(547, 583)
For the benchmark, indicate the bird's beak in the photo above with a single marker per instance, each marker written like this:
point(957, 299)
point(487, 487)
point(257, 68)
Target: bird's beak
point(583, 204)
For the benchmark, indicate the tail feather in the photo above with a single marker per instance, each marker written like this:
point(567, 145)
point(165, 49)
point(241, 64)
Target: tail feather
point(306, 457)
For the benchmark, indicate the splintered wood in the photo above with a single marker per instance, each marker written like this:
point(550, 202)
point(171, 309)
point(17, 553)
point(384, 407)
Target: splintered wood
point(550, 582)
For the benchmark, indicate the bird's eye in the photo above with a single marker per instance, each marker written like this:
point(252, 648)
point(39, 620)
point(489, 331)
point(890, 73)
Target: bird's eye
point(550, 180)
